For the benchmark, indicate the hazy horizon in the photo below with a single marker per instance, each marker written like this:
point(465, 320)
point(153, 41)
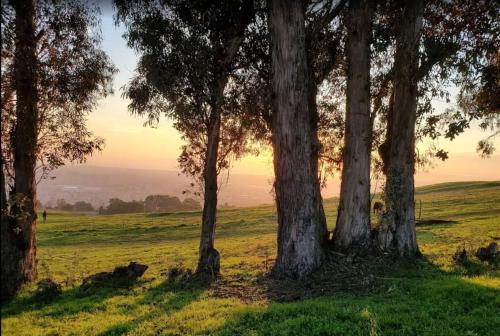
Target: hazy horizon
point(97, 184)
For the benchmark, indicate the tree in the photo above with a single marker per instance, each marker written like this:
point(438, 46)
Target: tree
point(353, 226)
point(189, 204)
point(73, 73)
point(162, 203)
point(397, 228)
point(83, 206)
point(324, 48)
point(188, 51)
point(18, 242)
point(301, 226)
point(469, 59)
point(165, 203)
point(323, 43)
point(457, 48)
point(61, 204)
point(117, 206)
point(52, 74)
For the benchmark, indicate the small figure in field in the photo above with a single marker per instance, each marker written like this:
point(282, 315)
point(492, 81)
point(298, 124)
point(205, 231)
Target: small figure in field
point(378, 207)
point(44, 215)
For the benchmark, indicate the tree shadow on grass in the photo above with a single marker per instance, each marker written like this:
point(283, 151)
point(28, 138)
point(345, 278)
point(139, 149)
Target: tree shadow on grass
point(398, 297)
point(71, 301)
point(170, 296)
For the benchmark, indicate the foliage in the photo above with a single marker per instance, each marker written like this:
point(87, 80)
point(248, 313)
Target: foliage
point(165, 203)
point(19, 202)
point(458, 52)
point(83, 206)
point(182, 46)
point(73, 74)
point(117, 206)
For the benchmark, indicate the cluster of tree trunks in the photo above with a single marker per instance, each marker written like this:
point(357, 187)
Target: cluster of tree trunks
point(302, 230)
point(396, 232)
point(19, 226)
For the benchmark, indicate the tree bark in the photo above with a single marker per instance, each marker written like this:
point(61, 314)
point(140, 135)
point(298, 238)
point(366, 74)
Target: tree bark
point(18, 233)
point(209, 259)
point(301, 231)
point(316, 145)
point(7, 282)
point(397, 228)
point(353, 228)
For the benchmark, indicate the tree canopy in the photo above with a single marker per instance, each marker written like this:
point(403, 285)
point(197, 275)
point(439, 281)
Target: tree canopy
point(73, 73)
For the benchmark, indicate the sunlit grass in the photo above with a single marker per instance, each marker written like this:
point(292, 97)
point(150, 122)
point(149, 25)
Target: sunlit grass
point(428, 297)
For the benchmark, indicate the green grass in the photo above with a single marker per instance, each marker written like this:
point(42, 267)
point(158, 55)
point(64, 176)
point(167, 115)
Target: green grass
point(424, 297)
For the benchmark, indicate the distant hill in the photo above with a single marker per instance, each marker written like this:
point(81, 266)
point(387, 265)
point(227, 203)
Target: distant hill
point(447, 187)
point(98, 184)
point(457, 186)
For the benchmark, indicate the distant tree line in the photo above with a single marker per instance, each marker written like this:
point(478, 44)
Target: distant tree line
point(79, 206)
point(117, 206)
point(165, 203)
point(152, 203)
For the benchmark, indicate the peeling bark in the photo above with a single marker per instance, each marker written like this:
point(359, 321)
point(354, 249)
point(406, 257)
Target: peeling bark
point(353, 228)
point(301, 231)
point(397, 228)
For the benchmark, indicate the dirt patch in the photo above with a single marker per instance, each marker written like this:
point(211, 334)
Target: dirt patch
point(339, 273)
point(435, 222)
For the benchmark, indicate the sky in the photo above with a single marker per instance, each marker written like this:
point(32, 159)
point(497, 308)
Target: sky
point(131, 145)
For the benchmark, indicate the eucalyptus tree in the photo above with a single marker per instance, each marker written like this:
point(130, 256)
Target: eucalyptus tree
point(353, 228)
point(73, 73)
point(18, 237)
point(323, 48)
point(302, 54)
point(397, 229)
point(188, 52)
point(53, 72)
point(457, 46)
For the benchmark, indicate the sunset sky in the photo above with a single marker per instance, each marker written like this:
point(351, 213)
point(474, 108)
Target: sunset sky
point(130, 145)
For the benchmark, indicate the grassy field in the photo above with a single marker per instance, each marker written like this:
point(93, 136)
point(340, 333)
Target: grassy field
point(429, 296)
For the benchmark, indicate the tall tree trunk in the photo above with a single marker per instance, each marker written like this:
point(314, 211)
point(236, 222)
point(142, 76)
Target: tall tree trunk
point(301, 232)
point(18, 236)
point(209, 258)
point(353, 227)
point(397, 228)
